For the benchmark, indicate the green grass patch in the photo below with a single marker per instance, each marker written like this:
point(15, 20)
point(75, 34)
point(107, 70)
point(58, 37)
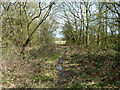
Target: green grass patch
point(43, 78)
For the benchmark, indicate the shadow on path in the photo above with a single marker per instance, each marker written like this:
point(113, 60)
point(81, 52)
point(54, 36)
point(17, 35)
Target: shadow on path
point(65, 75)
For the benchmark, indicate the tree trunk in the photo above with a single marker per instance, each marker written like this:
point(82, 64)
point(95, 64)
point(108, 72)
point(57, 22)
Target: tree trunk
point(119, 34)
point(83, 35)
point(87, 27)
point(80, 34)
point(100, 25)
point(106, 27)
point(24, 45)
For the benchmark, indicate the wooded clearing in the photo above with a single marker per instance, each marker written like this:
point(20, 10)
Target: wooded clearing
point(85, 55)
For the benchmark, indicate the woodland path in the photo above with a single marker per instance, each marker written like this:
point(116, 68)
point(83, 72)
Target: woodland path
point(64, 74)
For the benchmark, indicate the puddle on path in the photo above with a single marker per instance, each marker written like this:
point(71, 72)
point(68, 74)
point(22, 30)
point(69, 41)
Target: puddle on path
point(62, 74)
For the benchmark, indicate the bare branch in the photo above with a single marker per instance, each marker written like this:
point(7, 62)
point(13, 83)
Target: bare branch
point(34, 18)
point(45, 16)
point(115, 11)
point(24, 8)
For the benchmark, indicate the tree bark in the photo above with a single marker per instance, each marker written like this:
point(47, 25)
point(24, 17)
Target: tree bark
point(119, 34)
point(100, 25)
point(24, 45)
point(106, 27)
point(87, 27)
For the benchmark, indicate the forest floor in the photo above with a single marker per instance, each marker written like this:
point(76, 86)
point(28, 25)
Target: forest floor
point(95, 68)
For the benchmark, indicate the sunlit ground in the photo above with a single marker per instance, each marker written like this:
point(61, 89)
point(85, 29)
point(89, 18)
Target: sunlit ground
point(80, 68)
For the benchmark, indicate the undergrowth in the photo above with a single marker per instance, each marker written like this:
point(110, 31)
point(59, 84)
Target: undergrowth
point(91, 68)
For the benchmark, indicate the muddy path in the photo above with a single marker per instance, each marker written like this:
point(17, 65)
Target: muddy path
point(65, 75)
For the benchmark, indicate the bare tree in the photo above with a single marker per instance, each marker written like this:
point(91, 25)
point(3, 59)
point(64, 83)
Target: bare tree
point(38, 13)
point(114, 7)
